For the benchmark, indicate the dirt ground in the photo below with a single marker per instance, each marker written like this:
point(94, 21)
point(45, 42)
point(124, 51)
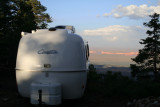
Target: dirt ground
point(9, 96)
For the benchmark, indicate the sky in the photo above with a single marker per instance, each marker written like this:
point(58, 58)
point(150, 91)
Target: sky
point(113, 28)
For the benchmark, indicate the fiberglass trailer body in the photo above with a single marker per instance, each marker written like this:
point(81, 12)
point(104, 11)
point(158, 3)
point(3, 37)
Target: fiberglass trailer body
point(52, 63)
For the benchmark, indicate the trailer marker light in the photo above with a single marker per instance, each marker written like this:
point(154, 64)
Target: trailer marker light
point(47, 65)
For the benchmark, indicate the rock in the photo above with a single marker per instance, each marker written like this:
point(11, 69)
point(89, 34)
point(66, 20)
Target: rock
point(155, 102)
point(129, 103)
point(5, 99)
point(134, 100)
point(145, 102)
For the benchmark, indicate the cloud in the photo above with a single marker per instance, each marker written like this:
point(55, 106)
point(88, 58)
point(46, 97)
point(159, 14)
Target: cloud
point(115, 37)
point(119, 53)
point(116, 15)
point(112, 53)
point(116, 32)
point(106, 30)
point(92, 52)
point(133, 11)
point(106, 14)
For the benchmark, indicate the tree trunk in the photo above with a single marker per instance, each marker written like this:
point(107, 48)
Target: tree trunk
point(155, 67)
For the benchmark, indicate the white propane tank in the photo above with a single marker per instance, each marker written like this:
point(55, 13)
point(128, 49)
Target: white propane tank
point(49, 60)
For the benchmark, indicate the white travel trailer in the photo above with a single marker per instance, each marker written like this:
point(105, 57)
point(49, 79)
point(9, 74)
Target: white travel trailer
point(52, 65)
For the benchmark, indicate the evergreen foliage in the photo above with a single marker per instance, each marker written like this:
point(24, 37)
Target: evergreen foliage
point(41, 18)
point(17, 16)
point(148, 59)
point(114, 85)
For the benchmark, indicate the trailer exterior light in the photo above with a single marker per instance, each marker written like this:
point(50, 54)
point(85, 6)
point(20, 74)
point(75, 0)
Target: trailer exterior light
point(47, 65)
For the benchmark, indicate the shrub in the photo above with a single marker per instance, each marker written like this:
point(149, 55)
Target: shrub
point(116, 85)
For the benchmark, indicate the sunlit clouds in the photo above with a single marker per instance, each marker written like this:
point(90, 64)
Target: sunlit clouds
point(119, 53)
point(106, 30)
point(111, 58)
point(113, 53)
point(133, 11)
point(112, 42)
point(116, 32)
point(92, 52)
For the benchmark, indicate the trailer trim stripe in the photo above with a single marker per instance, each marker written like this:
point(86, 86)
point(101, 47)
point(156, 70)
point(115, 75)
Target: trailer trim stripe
point(51, 71)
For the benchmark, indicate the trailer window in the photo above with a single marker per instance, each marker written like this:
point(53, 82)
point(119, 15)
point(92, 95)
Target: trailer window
point(87, 51)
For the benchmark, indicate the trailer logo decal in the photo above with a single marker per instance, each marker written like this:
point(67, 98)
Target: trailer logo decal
point(42, 51)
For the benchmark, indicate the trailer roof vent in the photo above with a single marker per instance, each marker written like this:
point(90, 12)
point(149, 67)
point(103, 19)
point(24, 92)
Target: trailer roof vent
point(52, 29)
point(69, 28)
point(60, 27)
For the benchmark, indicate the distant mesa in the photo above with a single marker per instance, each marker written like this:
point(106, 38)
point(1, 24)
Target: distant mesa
point(102, 69)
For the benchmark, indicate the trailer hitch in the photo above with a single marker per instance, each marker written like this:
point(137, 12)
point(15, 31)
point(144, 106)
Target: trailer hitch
point(40, 98)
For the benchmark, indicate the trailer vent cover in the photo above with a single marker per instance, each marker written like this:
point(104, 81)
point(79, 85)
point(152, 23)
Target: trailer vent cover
point(52, 29)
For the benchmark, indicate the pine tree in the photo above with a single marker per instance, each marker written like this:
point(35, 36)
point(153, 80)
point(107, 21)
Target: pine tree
point(148, 58)
point(24, 19)
point(5, 29)
point(17, 16)
point(41, 18)
point(5, 17)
